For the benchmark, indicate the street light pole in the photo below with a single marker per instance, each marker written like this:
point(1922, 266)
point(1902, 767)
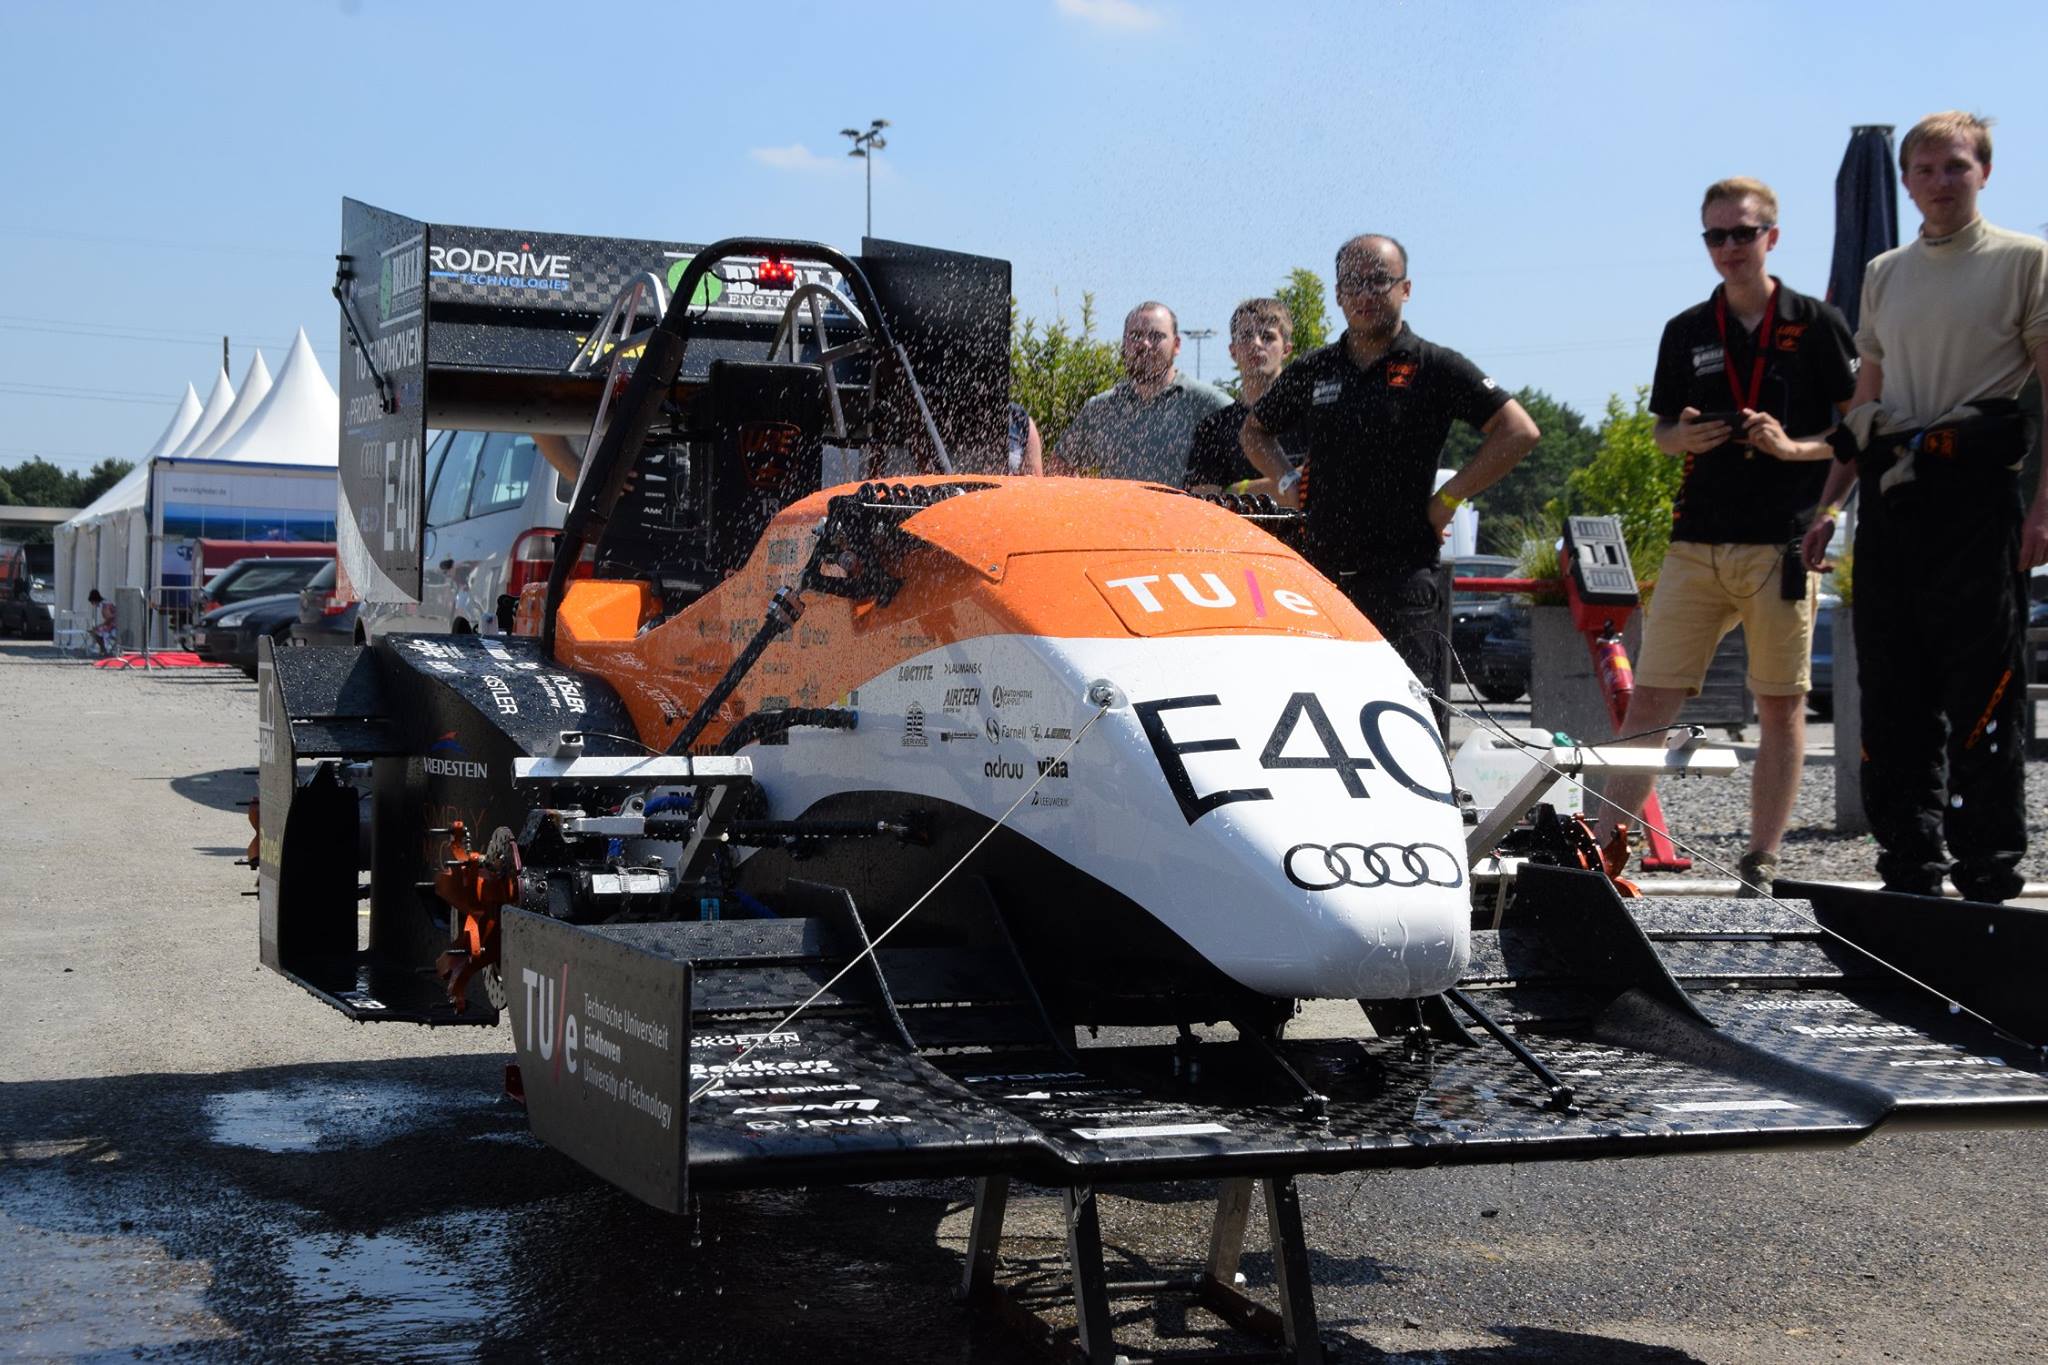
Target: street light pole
point(865, 145)
point(1200, 334)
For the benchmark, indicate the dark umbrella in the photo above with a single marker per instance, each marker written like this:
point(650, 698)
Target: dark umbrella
point(1866, 214)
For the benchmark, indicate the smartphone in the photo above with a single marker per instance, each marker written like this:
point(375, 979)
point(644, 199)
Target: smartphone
point(1733, 419)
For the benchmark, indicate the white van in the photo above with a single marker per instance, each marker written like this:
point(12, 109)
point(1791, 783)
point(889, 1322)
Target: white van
point(493, 508)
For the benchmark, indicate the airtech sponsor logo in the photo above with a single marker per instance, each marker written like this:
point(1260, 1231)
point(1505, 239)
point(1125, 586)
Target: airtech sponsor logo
point(958, 697)
point(497, 268)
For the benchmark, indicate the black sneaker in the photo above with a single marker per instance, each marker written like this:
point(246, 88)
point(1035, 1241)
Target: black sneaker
point(1994, 887)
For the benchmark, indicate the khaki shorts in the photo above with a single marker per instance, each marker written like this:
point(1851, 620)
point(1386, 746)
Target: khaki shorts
point(1703, 591)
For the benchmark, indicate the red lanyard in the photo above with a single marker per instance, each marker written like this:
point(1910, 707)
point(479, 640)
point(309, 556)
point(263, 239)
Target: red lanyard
point(1763, 347)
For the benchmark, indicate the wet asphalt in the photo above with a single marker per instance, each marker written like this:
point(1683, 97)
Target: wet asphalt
point(199, 1162)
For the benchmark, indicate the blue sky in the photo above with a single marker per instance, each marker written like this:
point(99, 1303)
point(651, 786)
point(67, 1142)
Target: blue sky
point(175, 172)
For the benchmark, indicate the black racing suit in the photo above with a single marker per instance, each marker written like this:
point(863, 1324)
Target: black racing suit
point(1940, 617)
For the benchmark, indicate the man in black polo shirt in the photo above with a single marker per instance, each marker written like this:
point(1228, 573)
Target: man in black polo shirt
point(1748, 386)
point(1376, 406)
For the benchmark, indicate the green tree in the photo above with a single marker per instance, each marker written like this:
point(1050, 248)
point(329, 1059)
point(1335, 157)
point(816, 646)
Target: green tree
point(7, 498)
point(38, 483)
point(1568, 443)
point(100, 478)
point(1303, 295)
point(1630, 478)
point(1054, 369)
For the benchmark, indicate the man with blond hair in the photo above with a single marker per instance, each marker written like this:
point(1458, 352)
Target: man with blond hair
point(1261, 343)
point(1747, 389)
point(1953, 323)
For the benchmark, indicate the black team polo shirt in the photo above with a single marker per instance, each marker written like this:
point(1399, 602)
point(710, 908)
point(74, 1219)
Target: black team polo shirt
point(1733, 495)
point(1216, 454)
point(1374, 436)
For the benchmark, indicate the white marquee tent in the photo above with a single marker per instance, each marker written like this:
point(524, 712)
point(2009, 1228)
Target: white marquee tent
point(282, 430)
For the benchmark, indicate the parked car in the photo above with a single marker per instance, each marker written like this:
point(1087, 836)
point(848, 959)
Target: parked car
point(27, 590)
point(325, 617)
point(2037, 619)
point(1472, 612)
point(1820, 698)
point(1505, 654)
point(493, 510)
point(229, 634)
point(247, 579)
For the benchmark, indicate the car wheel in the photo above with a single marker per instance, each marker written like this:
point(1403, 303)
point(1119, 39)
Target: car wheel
point(1501, 690)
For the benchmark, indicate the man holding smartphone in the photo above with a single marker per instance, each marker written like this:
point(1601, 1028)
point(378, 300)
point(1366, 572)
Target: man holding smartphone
point(1748, 387)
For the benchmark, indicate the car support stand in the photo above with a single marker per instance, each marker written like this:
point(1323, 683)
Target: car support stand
point(1292, 1329)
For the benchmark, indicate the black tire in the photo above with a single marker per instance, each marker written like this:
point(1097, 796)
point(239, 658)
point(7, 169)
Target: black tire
point(1501, 690)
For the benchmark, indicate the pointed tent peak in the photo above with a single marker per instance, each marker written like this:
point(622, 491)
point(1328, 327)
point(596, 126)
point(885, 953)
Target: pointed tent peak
point(256, 385)
point(217, 404)
point(302, 354)
point(180, 425)
point(299, 422)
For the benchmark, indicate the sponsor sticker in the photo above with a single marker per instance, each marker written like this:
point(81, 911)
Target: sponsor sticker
point(1151, 1130)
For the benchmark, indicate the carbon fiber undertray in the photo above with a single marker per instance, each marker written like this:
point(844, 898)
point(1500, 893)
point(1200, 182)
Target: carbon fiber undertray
point(1677, 1025)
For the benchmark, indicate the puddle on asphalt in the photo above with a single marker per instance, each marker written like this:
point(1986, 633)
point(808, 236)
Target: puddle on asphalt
point(67, 1292)
point(305, 1118)
point(382, 1293)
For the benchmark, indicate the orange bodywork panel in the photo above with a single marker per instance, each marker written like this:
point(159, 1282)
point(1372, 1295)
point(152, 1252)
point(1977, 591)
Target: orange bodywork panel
point(1053, 557)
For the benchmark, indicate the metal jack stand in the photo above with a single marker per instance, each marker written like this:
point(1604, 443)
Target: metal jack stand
point(1292, 1329)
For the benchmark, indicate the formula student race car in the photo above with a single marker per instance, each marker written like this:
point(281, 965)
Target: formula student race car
point(812, 833)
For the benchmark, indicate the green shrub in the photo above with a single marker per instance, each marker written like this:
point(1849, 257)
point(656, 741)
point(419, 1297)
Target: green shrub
point(1629, 478)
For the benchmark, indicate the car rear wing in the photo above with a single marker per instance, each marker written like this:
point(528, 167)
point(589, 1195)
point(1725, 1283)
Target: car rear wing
point(444, 325)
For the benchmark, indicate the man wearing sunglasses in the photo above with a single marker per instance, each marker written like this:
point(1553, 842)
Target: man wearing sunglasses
point(1375, 407)
point(1748, 386)
point(1953, 323)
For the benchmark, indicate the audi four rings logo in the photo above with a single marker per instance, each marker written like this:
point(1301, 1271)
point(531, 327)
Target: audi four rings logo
point(1369, 865)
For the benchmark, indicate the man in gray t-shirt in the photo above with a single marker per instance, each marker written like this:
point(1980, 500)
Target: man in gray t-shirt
point(1140, 429)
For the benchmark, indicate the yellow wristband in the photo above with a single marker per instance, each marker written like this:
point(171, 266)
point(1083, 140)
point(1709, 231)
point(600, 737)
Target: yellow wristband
point(1832, 513)
point(1241, 486)
point(1454, 503)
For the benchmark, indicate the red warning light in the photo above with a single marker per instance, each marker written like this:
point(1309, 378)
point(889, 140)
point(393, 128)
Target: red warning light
point(775, 273)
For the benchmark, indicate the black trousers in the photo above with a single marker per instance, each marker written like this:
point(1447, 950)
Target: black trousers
point(1411, 607)
point(1940, 614)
